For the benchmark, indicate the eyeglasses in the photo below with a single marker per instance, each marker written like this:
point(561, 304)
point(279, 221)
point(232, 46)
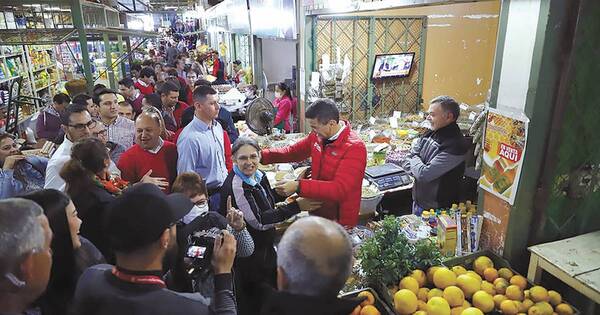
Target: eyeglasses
point(201, 203)
point(99, 133)
point(252, 157)
point(9, 146)
point(89, 124)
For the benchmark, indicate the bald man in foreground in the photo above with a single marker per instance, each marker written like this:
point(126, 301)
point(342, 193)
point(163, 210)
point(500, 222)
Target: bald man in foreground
point(314, 260)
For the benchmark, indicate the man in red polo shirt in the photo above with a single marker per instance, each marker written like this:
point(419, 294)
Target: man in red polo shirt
point(339, 159)
point(172, 106)
point(151, 159)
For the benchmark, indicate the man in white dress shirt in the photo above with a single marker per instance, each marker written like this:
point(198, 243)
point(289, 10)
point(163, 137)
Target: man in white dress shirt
point(76, 123)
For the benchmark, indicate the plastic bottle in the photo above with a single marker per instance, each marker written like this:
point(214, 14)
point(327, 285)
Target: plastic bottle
point(425, 216)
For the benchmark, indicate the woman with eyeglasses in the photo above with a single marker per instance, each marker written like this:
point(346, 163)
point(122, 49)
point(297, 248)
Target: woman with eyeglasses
point(91, 188)
point(249, 190)
point(19, 173)
point(71, 253)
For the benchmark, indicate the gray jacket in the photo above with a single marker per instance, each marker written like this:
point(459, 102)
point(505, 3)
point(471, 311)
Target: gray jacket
point(437, 162)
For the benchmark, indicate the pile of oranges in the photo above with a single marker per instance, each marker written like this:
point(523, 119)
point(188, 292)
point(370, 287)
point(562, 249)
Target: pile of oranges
point(458, 291)
point(367, 307)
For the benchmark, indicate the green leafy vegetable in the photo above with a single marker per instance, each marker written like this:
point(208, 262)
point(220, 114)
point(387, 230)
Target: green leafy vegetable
point(388, 256)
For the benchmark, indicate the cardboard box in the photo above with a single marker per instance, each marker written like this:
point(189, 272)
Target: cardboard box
point(447, 234)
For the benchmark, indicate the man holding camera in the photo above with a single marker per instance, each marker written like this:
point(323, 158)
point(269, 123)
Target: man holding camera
point(142, 230)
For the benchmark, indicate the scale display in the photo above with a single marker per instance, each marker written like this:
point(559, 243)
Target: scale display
point(388, 176)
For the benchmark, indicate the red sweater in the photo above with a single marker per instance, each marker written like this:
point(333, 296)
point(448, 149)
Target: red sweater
point(178, 112)
point(337, 173)
point(144, 89)
point(136, 162)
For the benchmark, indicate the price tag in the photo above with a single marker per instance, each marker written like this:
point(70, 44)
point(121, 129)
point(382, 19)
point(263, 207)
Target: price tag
point(397, 114)
point(372, 120)
point(393, 122)
point(464, 106)
point(359, 128)
point(472, 116)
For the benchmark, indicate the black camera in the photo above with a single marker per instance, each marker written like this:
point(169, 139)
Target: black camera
point(199, 252)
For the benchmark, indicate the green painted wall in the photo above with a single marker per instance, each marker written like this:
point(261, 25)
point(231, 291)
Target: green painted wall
point(577, 140)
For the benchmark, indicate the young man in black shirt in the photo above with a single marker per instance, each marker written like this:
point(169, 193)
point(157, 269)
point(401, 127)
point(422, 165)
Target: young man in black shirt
point(141, 227)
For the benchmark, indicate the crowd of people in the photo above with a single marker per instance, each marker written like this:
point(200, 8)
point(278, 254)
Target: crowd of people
point(151, 203)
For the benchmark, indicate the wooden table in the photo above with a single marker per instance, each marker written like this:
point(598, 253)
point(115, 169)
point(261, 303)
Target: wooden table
point(575, 261)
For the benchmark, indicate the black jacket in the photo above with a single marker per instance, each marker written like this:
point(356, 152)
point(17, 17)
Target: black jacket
point(437, 162)
point(91, 206)
point(285, 303)
point(99, 292)
point(255, 273)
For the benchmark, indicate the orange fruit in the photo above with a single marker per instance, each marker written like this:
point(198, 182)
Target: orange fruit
point(564, 309)
point(539, 294)
point(356, 310)
point(514, 293)
point(500, 285)
point(422, 295)
point(519, 281)
point(443, 278)
point(420, 276)
point(509, 307)
point(430, 273)
point(454, 296)
point(483, 301)
point(370, 299)
point(498, 299)
point(490, 274)
point(481, 263)
point(505, 273)
point(555, 297)
point(405, 302)
point(469, 285)
point(369, 310)
point(409, 283)
point(472, 311)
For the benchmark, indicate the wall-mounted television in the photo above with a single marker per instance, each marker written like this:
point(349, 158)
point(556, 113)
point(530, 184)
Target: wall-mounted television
point(392, 65)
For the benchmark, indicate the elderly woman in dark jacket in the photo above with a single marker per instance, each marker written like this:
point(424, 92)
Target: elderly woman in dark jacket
point(251, 193)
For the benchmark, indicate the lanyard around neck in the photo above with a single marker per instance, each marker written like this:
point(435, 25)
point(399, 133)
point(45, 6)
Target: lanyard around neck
point(137, 279)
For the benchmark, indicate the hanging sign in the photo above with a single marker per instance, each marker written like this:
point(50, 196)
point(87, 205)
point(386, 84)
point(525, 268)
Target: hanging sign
point(503, 150)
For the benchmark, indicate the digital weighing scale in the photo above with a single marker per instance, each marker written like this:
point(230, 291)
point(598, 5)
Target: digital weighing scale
point(388, 176)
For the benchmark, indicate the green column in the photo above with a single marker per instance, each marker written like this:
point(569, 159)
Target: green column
point(120, 47)
point(77, 13)
point(109, 69)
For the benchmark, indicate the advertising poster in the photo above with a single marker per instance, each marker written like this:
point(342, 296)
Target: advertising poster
point(503, 151)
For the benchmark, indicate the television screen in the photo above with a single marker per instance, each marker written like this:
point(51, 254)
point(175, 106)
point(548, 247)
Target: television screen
point(392, 65)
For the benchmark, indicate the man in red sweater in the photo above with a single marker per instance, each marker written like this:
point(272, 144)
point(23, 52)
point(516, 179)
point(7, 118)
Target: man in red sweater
point(145, 84)
point(172, 106)
point(151, 159)
point(339, 159)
